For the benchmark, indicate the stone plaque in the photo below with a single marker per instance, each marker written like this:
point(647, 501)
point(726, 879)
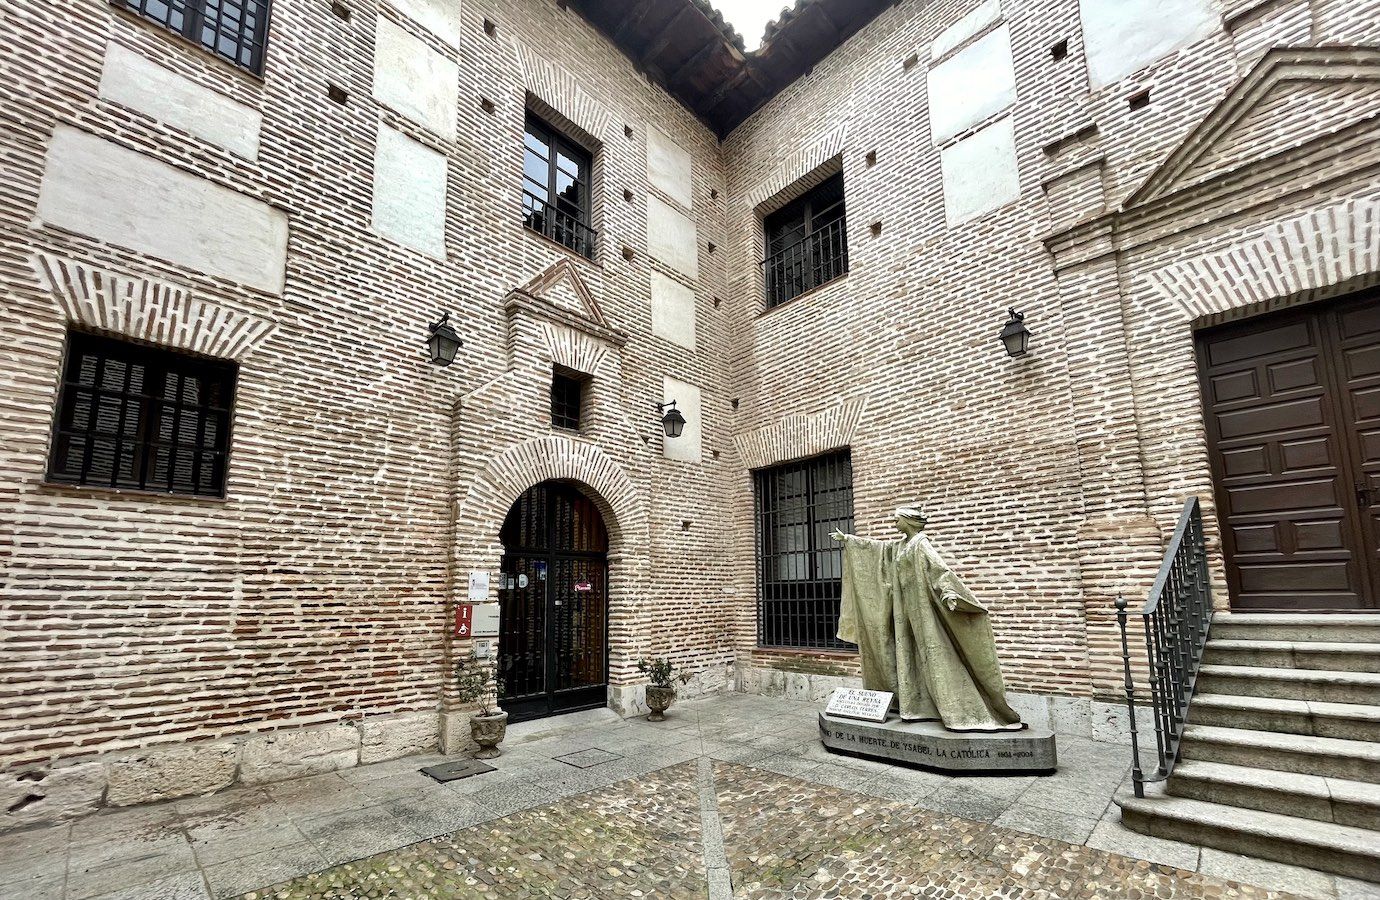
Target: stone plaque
point(856, 703)
point(930, 745)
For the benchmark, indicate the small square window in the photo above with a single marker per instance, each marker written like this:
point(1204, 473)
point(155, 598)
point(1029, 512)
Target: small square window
point(567, 392)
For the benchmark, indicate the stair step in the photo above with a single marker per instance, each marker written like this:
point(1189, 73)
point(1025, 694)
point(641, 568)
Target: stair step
point(1303, 754)
point(1334, 656)
point(1296, 684)
point(1347, 721)
point(1345, 627)
point(1338, 800)
point(1341, 849)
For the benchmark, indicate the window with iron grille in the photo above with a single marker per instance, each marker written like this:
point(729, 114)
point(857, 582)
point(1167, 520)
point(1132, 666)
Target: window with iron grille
point(799, 568)
point(131, 416)
point(556, 187)
point(807, 242)
point(232, 29)
point(566, 391)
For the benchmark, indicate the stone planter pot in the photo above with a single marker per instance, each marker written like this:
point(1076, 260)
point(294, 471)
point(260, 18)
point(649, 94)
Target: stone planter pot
point(488, 731)
point(658, 699)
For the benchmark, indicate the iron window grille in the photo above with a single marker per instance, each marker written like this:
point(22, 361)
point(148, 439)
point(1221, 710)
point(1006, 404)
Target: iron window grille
point(131, 416)
point(807, 243)
point(236, 30)
point(566, 395)
point(556, 187)
point(799, 567)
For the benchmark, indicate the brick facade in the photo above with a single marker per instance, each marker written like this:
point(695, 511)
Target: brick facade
point(302, 623)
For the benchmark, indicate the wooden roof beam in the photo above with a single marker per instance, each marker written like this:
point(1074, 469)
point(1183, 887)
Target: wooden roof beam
point(663, 37)
point(691, 65)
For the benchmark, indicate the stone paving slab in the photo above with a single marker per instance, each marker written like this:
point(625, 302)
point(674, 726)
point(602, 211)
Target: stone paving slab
point(242, 839)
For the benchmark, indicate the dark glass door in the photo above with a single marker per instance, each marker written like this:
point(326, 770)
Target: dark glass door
point(553, 593)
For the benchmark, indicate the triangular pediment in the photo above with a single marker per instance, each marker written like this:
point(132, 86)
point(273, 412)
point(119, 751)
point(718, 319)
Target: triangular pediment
point(561, 286)
point(1293, 97)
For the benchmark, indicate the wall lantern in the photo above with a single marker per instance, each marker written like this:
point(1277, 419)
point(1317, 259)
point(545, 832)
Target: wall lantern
point(672, 421)
point(1015, 336)
point(444, 343)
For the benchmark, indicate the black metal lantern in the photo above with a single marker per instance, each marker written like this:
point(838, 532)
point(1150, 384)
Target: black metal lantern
point(1015, 336)
point(444, 343)
point(673, 422)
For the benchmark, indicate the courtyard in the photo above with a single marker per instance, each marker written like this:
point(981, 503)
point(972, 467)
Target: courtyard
point(731, 796)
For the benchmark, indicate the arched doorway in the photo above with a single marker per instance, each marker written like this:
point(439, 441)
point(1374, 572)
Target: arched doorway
point(553, 602)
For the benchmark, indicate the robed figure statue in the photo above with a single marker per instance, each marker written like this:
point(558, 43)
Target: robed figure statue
point(920, 632)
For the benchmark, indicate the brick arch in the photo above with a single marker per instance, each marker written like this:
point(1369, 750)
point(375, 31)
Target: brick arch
point(502, 481)
point(150, 310)
point(1327, 246)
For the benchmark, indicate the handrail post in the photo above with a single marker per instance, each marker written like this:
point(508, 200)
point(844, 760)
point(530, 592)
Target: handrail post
point(1137, 776)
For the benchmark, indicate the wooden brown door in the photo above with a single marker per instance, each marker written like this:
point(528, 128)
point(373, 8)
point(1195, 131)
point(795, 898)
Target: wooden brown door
point(1292, 406)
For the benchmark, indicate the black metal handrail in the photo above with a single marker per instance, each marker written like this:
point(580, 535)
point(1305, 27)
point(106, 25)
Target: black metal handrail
point(819, 257)
point(1176, 619)
point(558, 225)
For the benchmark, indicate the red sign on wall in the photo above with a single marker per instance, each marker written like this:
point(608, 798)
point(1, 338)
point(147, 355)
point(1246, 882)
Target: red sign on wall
point(464, 618)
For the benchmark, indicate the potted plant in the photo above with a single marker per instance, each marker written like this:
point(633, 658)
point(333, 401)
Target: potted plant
point(661, 693)
point(489, 723)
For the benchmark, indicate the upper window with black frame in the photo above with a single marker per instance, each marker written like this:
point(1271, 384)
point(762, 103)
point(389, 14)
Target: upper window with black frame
point(807, 242)
point(232, 29)
point(799, 567)
point(131, 416)
point(567, 391)
point(556, 187)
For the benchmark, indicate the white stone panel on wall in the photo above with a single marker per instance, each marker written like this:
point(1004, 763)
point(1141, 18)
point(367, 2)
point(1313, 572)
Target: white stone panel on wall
point(669, 167)
point(440, 17)
point(101, 189)
point(132, 80)
point(673, 311)
point(687, 447)
point(980, 172)
point(415, 80)
point(1121, 36)
point(671, 237)
point(960, 31)
point(972, 85)
point(409, 192)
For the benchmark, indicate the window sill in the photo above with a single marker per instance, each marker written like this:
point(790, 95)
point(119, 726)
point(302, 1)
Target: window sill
point(92, 490)
point(574, 254)
point(805, 651)
point(819, 288)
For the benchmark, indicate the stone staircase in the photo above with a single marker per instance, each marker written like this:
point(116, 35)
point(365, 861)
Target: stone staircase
point(1281, 756)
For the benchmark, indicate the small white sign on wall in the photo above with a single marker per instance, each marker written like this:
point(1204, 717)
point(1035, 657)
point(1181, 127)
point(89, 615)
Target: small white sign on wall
point(479, 587)
point(485, 620)
point(856, 703)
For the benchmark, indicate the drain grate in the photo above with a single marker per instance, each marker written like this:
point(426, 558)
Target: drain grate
point(583, 759)
point(460, 768)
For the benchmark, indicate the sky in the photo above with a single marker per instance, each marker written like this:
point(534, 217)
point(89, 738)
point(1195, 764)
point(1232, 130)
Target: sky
point(750, 17)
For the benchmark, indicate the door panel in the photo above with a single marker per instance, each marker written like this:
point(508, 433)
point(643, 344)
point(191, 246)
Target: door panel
point(553, 628)
point(1356, 336)
point(1281, 462)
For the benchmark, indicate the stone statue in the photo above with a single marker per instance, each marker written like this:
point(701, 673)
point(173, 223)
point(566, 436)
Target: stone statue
point(921, 633)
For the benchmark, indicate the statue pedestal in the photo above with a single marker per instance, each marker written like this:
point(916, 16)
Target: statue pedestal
point(928, 745)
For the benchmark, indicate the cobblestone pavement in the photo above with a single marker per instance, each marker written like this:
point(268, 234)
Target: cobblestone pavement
point(731, 796)
point(782, 836)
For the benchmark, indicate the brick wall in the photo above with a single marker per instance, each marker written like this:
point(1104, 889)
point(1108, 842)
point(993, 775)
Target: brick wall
point(317, 594)
point(1051, 480)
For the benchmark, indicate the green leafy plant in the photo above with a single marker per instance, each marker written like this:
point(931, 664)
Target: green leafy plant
point(472, 683)
point(661, 672)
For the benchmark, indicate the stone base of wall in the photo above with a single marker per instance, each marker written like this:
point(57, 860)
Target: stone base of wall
point(35, 794)
point(630, 700)
point(1077, 716)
